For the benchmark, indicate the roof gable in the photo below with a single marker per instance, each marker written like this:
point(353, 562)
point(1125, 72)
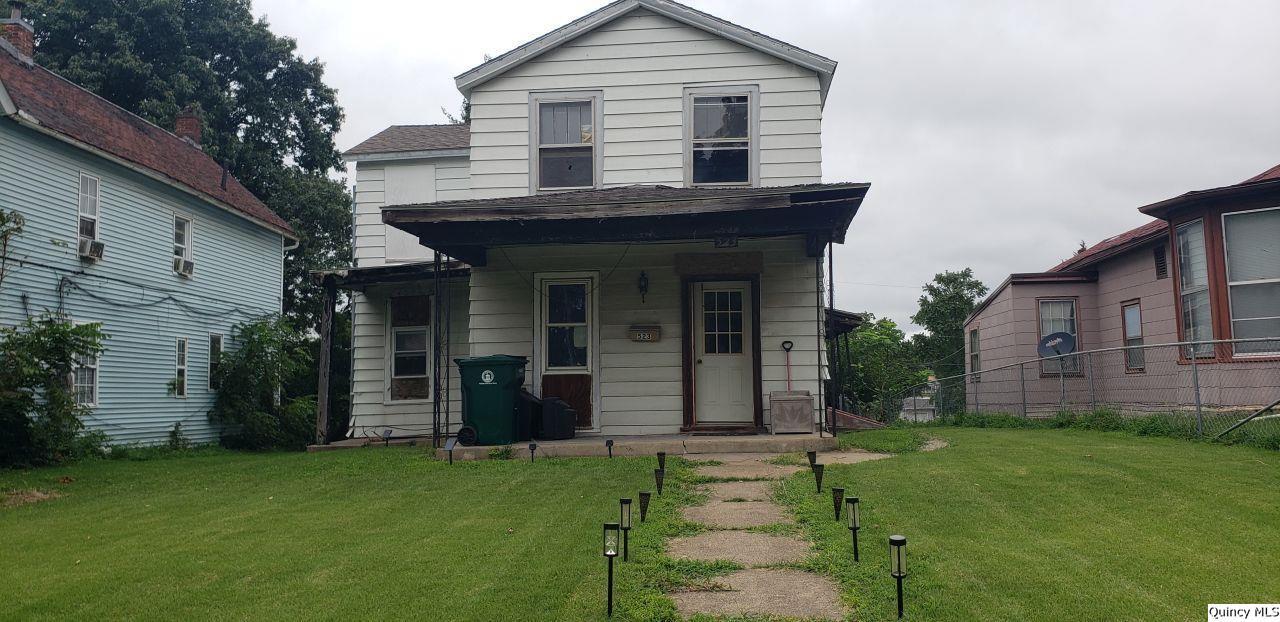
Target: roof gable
point(411, 139)
point(824, 67)
point(49, 103)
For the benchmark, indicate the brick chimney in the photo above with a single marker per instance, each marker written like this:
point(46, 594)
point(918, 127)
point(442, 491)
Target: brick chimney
point(187, 125)
point(17, 30)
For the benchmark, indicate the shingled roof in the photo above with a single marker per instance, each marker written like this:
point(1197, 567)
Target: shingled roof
point(1115, 244)
point(405, 138)
point(50, 103)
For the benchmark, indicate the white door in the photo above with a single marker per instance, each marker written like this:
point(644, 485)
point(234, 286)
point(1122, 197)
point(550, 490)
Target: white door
point(723, 353)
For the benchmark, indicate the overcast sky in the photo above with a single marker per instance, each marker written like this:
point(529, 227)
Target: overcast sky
point(995, 135)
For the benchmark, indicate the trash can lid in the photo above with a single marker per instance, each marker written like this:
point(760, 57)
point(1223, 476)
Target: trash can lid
point(492, 359)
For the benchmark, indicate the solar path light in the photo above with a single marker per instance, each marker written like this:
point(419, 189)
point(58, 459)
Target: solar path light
point(817, 475)
point(813, 457)
point(657, 478)
point(644, 504)
point(837, 499)
point(624, 519)
point(533, 447)
point(610, 552)
point(898, 559)
point(854, 522)
point(608, 444)
point(662, 460)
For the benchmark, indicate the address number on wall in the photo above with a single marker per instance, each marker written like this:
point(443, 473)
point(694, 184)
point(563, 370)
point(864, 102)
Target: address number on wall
point(645, 333)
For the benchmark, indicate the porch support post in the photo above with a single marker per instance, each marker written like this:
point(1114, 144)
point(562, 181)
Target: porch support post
point(323, 363)
point(817, 290)
point(435, 353)
point(833, 363)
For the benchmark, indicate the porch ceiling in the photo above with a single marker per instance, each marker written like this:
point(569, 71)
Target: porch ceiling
point(465, 229)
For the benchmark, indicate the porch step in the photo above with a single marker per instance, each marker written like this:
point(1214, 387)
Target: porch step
point(673, 444)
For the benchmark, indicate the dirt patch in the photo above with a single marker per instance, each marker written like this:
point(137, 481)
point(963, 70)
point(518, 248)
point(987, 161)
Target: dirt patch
point(767, 592)
point(15, 498)
point(737, 514)
point(753, 469)
point(934, 444)
point(850, 457)
point(739, 491)
point(744, 547)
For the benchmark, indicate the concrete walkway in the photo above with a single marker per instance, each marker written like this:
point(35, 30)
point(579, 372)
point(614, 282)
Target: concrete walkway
point(763, 587)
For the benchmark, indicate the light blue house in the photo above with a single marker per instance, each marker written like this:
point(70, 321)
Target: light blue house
point(138, 229)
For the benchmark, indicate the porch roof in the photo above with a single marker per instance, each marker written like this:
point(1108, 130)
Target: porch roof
point(359, 278)
point(466, 228)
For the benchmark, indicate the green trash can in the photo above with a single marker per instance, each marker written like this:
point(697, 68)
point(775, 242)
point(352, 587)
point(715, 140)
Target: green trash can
point(490, 399)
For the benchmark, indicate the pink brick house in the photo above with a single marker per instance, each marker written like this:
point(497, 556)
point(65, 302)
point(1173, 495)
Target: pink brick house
point(1207, 268)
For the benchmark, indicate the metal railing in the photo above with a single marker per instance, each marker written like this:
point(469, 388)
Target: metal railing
point(1204, 388)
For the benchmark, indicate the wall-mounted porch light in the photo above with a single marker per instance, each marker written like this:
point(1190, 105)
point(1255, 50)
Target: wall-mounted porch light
point(642, 284)
point(898, 559)
point(855, 522)
point(624, 520)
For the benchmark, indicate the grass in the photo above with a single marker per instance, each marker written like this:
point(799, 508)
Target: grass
point(1013, 524)
point(352, 534)
point(884, 440)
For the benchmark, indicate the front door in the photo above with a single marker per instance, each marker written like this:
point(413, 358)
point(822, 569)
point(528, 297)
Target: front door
point(723, 353)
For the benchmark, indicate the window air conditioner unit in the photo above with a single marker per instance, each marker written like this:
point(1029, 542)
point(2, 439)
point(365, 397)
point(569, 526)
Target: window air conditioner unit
point(91, 249)
point(185, 267)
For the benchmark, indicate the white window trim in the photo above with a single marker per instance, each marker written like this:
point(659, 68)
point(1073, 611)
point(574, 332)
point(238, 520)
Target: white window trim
point(1181, 292)
point(592, 279)
point(389, 361)
point(97, 218)
point(597, 151)
point(97, 380)
point(752, 91)
point(222, 349)
point(182, 363)
point(1231, 314)
point(188, 250)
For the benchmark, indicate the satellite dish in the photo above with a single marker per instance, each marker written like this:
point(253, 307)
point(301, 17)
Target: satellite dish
point(1056, 344)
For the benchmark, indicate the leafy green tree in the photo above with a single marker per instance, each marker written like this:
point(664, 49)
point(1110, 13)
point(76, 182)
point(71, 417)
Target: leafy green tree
point(39, 417)
point(875, 364)
point(269, 353)
point(268, 115)
point(947, 301)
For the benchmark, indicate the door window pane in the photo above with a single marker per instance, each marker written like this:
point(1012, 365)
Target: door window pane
point(567, 303)
point(722, 320)
point(567, 328)
point(566, 346)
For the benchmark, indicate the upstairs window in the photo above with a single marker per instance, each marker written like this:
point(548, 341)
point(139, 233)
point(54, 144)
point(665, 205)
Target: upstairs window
point(1193, 287)
point(721, 136)
point(181, 237)
point(90, 197)
point(1252, 241)
point(567, 146)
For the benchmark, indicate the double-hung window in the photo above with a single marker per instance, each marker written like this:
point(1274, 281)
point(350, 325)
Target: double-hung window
point(568, 333)
point(720, 136)
point(1059, 316)
point(1252, 243)
point(1193, 287)
point(566, 141)
point(90, 197)
point(1131, 321)
point(182, 237)
point(215, 355)
point(410, 345)
point(180, 368)
point(975, 356)
point(84, 380)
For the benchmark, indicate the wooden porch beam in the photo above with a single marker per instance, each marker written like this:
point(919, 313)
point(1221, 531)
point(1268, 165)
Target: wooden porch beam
point(326, 348)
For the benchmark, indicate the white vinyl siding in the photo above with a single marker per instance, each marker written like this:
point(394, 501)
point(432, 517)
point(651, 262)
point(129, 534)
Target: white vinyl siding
point(391, 183)
point(642, 63)
point(1252, 243)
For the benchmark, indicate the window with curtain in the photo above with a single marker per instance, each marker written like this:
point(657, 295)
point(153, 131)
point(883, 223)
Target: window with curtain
point(1131, 317)
point(1252, 241)
point(1059, 316)
point(566, 145)
point(1193, 288)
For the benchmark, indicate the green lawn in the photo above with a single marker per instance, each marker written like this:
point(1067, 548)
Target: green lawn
point(1004, 524)
point(1055, 525)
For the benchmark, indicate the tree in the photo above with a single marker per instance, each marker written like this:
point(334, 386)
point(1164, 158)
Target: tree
point(269, 117)
point(250, 379)
point(876, 364)
point(464, 113)
point(947, 301)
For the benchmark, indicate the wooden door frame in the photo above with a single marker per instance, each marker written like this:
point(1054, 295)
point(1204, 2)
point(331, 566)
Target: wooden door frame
point(538, 361)
point(687, 351)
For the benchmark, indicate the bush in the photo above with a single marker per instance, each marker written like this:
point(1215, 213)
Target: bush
point(1102, 420)
point(1062, 419)
point(39, 418)
point(269, 352)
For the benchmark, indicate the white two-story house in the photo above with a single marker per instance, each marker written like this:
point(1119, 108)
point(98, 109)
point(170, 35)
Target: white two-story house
point(637, 206)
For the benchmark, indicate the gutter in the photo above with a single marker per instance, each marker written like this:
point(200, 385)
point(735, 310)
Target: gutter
point(32, 123)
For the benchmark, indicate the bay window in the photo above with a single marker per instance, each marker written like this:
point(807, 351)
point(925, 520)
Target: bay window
point(1193, 288)
point(1252, 247)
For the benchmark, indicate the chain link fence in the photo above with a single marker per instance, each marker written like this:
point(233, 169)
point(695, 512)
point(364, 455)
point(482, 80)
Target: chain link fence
point(1209, 389)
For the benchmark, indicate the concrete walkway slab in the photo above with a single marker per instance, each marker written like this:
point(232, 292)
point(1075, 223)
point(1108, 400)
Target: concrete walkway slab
point(753, 469)
point(736, 515)
point(744, 547)
point(739, 491)
point(766, 592)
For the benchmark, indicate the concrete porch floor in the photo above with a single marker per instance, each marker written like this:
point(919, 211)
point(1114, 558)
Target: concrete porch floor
point(673, 444)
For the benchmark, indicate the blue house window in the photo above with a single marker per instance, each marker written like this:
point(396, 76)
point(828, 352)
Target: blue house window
point(90, 196)
point(180, 368)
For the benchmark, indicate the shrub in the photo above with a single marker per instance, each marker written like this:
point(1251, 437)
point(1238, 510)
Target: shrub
point(39, 418)
point(1101, 419)
point(1062, 419)
point(248, 407)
